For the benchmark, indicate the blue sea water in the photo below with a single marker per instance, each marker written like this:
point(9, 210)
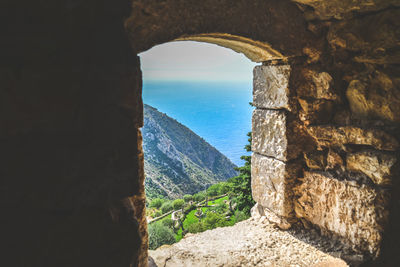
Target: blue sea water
point(217, 111)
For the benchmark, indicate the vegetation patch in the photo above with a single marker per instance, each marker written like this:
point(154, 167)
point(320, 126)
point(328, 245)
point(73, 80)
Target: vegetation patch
point(222, 204)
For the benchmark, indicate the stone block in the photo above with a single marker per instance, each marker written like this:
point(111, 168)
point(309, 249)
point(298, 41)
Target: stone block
point(354, 213)
point(269, 133)
point(271, 184)
point(318, 85)
point(270, 86)
point(376, 165)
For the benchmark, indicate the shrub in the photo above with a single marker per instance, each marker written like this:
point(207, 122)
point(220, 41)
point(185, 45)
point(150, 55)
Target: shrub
point(166, 206)
point(187, 198)
point(178, 204)
point(224, 188)
point(157, 214)
point(196, 227)
point(168, 222)
point(214, 220)
point(199, 197)
point(160, 235)
point(156, 203)
point(240, 216)
point(213, 190)
point(221, 207)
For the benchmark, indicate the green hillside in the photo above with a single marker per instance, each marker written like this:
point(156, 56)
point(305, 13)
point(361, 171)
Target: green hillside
point(178, 161)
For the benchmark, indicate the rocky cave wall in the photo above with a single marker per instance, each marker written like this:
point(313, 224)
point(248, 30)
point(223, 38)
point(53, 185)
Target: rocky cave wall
point(72, 190)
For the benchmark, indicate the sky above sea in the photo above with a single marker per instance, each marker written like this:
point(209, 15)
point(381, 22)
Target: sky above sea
point(206, 88)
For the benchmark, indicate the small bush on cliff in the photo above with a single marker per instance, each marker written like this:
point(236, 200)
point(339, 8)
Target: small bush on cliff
point(213, 190)
point(178, 204)
point(160, 235)
point(199, 197)
point(214, 220)
point(240, 216)
point(187, 198)
point(157, 214)
point(196, 228)
point(224, 188)
point(167, 206)
point(156, 203)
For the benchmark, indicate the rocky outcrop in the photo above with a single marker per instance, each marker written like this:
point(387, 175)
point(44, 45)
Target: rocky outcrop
point(253, 242)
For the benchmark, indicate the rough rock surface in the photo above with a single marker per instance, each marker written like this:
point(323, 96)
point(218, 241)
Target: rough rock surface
point(269, 133)
point(259, 211)
point(341, 207)
point(340, 9)
point(316, 160)
point(318, 85)
point(270, 86)
point(329, 135)
point(270, 184)
point(253, 242)
point(377, 165)
point(377, 45)
point(366, 98)
point(316, 111)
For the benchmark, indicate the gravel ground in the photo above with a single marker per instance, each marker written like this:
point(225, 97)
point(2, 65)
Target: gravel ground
point(248, 243)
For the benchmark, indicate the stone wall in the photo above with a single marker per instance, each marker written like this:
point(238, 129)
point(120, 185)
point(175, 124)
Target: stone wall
point(313, 170)
point(325, 147)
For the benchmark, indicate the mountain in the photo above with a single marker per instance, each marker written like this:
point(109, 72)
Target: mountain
point(176, 160)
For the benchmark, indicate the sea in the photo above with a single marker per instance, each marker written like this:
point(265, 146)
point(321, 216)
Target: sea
point(219, 112)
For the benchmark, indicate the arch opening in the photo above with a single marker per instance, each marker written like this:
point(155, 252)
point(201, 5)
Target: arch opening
point(215, 103)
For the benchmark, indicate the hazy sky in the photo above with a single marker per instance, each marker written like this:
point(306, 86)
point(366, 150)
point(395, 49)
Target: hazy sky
point(195, 61)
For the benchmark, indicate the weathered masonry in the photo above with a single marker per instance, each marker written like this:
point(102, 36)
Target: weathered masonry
point(331, 177)
point(325, 128)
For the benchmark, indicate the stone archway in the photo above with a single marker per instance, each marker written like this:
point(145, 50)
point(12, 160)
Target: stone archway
point(71, 107)
point(306, 134)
